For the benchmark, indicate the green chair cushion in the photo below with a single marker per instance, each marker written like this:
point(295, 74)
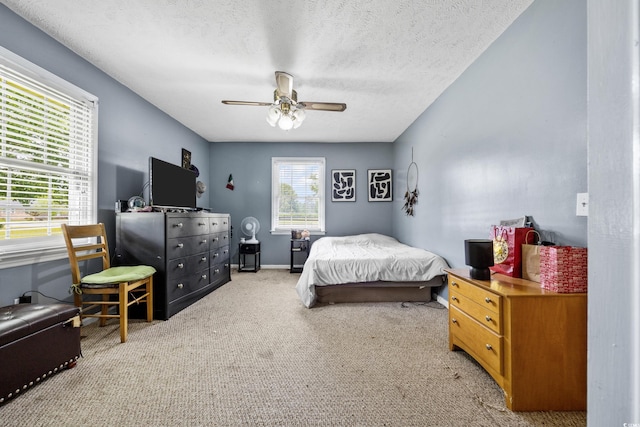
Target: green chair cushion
point(115, 275)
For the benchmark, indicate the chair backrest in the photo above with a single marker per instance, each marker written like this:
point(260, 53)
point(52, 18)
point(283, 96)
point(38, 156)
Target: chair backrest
point(93, 245)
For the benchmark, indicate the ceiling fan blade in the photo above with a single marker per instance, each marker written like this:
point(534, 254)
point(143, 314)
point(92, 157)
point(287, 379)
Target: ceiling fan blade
point(324, 106)
point(284, 84)
point(251, 103)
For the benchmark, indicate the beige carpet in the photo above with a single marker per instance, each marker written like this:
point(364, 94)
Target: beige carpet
point(250, 354)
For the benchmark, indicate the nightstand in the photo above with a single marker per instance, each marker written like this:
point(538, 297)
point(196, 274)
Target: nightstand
point(252, 251)
point(299, 253)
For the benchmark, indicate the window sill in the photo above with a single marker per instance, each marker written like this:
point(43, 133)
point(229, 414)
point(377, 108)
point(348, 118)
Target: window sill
point(288, 232)
point(27, 257)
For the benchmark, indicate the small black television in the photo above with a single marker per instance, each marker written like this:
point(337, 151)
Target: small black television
point(170, 185)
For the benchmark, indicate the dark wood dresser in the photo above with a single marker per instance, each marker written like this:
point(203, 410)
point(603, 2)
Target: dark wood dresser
point(189, 250)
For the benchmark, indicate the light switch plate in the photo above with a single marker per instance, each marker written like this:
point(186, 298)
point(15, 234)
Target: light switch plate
point(582, 204)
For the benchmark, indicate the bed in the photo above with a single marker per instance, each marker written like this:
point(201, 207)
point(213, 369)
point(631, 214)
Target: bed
point(368, 268)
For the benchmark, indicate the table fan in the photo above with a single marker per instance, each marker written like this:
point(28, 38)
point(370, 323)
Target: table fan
point(250, 227)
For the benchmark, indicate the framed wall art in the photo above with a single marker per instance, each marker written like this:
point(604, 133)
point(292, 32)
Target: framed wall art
point(380, 185)
point(343, 185)
point(186, 158)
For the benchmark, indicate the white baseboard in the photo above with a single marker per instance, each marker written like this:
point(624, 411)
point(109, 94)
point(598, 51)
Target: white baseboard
point(441, 300)
point(265, 267)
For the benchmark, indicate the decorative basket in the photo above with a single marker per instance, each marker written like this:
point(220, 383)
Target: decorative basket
point(563, 269)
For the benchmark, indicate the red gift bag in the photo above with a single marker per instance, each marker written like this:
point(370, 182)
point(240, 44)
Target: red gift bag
point(507, 248)
point(563, 269)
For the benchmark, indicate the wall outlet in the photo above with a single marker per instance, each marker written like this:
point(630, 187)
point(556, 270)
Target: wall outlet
point(582, 204)
point(16, 301)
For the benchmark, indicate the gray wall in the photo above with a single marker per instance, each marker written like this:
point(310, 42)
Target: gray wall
point(507, 139)
point(250, 165)
point(130, 130)
point(614, 215)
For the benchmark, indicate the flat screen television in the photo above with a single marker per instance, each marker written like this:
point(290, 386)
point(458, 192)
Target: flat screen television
point(171, 185)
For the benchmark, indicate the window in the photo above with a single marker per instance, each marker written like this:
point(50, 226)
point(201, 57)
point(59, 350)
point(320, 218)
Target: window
point(297, 194)
point(48, 140)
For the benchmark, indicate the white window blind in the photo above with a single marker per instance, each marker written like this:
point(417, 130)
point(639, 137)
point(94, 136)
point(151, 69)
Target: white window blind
point(47, 160)
point(297, 190)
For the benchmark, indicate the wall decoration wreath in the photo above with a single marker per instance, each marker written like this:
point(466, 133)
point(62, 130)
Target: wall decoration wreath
point(411, 195)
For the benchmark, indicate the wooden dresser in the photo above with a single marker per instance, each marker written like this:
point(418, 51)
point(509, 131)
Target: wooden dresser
point(189, 250)
point(533, 342)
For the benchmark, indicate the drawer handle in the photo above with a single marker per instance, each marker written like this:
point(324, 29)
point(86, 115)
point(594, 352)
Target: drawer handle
point(204, 258)
point(204, 276)
point(214, 223)
point(202, 223)
point(204, 241)
point(179, 225)
point(225, 252)
point(455, 284)
point(180, 286)
point(216, 271)
point(454, 298)
point(181, 245)
point(181, 265)
point(487, 300)
point(215, 255)
point(487, 318)
point(454, 320)
point(215, 239)
point(224, 237)
point(226, 266)
point(489, 347)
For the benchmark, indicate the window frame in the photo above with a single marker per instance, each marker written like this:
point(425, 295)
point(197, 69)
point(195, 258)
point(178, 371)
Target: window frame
point(275, 192)
point(24, 251)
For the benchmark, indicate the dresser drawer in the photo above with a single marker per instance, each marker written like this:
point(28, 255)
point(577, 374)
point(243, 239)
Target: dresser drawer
point(481, 313)
point(249, 248)
point(181, 267)
point(186, 226)
point(484, 344)
point(179, 287)
point(219, 272)
point(219, 224)
point(219, 239)
point(186, 245)
point(482, 297)
point(219, 255)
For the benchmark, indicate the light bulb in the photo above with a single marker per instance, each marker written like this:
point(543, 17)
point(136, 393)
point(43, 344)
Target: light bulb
point(285, 122)
point(298, 116)
point(273, 114)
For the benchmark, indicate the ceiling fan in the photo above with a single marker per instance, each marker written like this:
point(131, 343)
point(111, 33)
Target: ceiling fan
point(285, 110)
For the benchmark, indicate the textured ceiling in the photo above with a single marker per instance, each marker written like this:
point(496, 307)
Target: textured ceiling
point(387, 60)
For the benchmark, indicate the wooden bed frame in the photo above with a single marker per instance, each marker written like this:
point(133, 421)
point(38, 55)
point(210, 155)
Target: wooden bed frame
point(378, 291)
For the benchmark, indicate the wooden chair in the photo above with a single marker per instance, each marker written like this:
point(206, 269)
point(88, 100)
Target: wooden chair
point(130, 284)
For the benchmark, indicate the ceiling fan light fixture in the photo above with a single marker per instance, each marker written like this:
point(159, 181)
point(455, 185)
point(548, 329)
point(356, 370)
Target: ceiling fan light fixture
point(285, 111)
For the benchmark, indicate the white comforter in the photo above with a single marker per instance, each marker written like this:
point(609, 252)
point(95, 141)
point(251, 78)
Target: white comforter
point(364, 258)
